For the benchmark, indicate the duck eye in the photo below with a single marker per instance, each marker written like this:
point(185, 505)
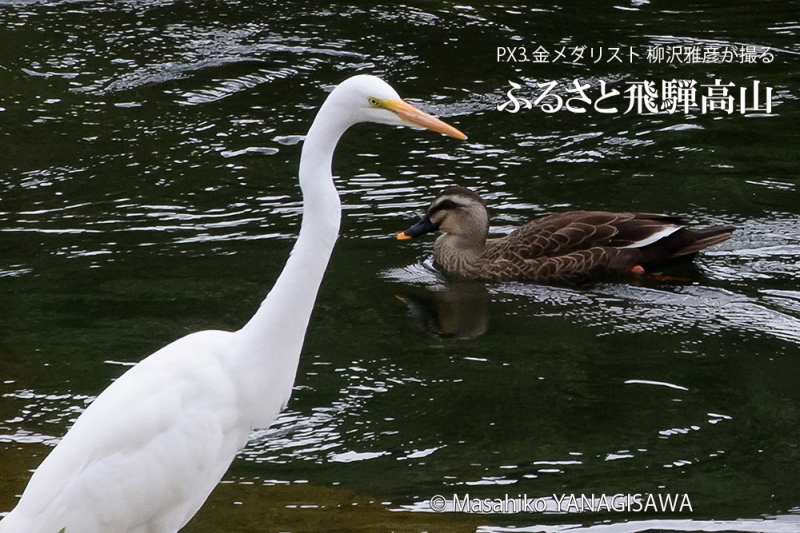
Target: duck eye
point(373, 102)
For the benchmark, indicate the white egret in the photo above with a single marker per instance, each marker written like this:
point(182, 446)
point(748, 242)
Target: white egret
point(146, 454)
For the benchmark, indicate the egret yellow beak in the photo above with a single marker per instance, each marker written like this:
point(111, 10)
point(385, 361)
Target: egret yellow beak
point(412, 115)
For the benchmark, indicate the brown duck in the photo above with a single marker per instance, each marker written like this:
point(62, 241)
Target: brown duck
point(569, 246)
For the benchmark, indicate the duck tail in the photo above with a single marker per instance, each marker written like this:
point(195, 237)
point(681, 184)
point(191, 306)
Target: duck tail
point(699, 239)
point(686, 242)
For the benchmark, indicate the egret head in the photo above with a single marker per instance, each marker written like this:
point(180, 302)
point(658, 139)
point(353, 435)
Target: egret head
point(456, 211)
point(365, 98)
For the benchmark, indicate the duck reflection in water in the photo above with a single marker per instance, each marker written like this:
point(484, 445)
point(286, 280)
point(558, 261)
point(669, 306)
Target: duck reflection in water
point(457, 309)
point(460, 309)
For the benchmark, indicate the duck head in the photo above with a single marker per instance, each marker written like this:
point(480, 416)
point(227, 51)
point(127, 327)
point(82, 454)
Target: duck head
point(457, 212)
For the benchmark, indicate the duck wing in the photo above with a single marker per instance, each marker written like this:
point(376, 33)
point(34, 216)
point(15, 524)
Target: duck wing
point(574, 266)
point(564, 233)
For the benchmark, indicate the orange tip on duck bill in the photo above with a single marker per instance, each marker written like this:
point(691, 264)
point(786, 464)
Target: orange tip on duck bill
point(418, 118)
point(403, 236)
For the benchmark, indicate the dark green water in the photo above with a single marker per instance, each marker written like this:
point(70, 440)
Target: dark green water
point(127, 219)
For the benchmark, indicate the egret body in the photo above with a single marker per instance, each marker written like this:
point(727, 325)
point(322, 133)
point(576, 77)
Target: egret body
point(146, 454)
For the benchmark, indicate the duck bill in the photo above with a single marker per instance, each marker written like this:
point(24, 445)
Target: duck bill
point(413, 116)
point(420, 228)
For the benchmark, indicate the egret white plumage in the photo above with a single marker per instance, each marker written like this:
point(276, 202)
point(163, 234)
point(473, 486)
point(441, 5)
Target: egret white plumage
point(146, 454)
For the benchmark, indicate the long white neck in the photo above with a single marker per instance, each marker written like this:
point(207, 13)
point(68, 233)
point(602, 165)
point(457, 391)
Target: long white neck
point(273, 338)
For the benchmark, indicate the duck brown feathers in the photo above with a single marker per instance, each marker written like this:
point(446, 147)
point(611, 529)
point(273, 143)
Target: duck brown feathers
point(568, 246)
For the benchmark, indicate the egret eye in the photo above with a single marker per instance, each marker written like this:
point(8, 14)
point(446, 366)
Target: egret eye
point(373, 102)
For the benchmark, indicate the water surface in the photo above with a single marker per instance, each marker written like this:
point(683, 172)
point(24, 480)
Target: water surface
point(148, 189)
